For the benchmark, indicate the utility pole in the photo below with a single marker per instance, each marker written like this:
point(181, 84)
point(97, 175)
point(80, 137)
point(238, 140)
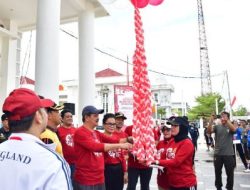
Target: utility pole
point(229, 96)
point(206, 86)
point(127, 71)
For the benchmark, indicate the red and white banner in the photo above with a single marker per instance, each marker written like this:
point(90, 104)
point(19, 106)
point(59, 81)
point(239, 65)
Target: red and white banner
point(124, 101)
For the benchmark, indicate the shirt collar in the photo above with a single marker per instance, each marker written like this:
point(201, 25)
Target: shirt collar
point(26, 137)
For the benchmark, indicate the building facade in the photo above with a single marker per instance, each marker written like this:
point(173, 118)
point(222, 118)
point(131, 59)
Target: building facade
point(105, 82)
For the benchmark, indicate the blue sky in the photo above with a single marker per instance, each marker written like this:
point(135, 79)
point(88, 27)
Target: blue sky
point(172, 46)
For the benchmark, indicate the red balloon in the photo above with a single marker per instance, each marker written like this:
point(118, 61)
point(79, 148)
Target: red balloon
point(155, 2)
point(140, 3)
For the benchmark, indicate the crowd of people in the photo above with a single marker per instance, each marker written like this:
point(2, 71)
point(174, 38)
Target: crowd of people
point(41, 149)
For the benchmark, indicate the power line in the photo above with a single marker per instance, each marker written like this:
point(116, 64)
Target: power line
point(150, 70)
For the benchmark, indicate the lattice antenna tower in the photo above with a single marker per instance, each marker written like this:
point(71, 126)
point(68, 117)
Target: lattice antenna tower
point(206, 86)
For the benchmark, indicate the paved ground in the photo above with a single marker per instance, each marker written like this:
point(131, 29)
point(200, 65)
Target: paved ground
point(205, 172)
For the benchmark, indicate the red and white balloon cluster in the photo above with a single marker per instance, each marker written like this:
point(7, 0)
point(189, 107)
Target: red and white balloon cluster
point(144, 3)
point(144, 143)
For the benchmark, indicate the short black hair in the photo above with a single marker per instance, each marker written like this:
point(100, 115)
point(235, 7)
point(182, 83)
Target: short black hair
point(225, 113)
point(83, 117)
point(107, 116)
point(21, 125)
point(65, 111)
point(4, 117)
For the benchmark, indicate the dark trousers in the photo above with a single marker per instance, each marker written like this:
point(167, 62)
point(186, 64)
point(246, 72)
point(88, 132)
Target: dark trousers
point(114, 177)
point(144, 174)
point(229, 164)
point(241, 154)
point(246, 151)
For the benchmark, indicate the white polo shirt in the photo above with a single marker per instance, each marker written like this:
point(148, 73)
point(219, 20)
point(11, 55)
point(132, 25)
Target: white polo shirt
point(26, 163)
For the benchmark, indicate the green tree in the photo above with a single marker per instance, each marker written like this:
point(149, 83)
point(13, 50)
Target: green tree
point(206, 104)
point(161, 112)
point(177, 111)
point(240, 111)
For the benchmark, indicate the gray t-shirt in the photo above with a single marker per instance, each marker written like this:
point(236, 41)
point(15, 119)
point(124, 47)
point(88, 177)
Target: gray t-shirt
point(223, 141)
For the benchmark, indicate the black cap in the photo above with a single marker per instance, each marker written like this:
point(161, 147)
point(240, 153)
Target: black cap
point(120, 115)
point(91, 110)
point(4, 117)
point(178, 121)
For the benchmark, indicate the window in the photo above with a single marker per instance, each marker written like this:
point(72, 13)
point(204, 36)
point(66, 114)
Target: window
point(105, 97)
point(156, 97)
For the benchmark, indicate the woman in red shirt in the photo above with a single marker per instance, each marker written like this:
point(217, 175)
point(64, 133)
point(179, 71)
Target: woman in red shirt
point(180, 157)
point(162, 146)
point(115, 164)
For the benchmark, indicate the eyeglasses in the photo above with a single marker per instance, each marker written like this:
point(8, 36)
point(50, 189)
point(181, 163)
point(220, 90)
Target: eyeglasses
point(110, 124)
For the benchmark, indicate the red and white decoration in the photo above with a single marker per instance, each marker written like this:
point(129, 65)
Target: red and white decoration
point(144, 144)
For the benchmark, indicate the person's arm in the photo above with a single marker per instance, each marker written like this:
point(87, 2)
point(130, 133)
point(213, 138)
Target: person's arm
point(210, 125)
point(91, 144)
point(230, 126)
point(124, 167)
point(108, 147)
point(128, 139)
point(88, 142)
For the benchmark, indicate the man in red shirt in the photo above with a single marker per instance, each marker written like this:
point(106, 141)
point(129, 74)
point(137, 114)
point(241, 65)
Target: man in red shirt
point(119, 120)
point(136, 169)
point(90, 145)
point(66, 134)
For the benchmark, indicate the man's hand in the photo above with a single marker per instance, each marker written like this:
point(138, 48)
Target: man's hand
point(130, 140)
point(212, 118)
point(210, 123)
point(125, 177)
point(126, 146)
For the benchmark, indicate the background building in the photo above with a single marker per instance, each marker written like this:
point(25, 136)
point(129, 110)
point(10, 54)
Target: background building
point(105, 82)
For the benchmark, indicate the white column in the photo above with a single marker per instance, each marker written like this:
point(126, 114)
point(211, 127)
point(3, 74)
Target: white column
point(8, 64)
point(47, 49)
point(86, 60)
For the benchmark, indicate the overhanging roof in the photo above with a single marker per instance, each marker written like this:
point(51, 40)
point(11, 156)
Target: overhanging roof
point(23, 12)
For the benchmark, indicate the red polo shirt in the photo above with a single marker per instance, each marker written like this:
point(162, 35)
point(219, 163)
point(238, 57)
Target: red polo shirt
point(66, 136)
point(89, 148)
